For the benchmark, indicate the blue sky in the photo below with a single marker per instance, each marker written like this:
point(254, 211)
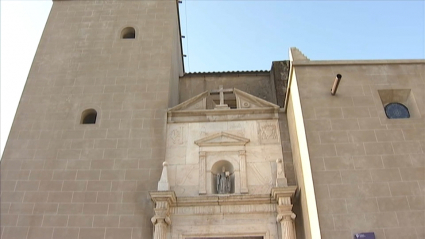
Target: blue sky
point(247, 35)
point(239, 35)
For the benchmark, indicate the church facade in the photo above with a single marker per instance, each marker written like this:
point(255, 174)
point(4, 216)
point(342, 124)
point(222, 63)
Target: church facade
point(112, 139)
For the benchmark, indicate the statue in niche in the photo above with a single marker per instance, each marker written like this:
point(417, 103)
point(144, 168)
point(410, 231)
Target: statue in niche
point(223, 181)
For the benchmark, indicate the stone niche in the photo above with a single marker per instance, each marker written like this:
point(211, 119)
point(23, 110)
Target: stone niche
point(216, 171)
point(222, 151)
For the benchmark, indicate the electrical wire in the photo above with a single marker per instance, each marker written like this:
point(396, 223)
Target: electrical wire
point(187, 37)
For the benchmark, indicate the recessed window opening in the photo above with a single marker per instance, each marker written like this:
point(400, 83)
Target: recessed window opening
point(231, 103)
point(128, 33)
point(88, 116)
point(396, 110)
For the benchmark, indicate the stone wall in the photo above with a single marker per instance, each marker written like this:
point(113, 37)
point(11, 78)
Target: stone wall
point(62, 179)
point(260, 154)
point(265, 85)
point(258, 84)
point(368, 170)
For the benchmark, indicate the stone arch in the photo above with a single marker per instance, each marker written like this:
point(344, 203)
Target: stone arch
point(88, 116)
point(128, 33)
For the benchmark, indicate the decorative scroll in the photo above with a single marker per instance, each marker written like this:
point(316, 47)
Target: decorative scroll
point(287, 225)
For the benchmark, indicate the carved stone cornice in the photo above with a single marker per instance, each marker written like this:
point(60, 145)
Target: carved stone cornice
point(222, 115)
point(283, 192)
point(168, 196)
point(235, 140)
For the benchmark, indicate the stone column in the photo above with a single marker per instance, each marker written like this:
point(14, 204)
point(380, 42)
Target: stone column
point(285, 216)
point(287, 225)
point(163, 201)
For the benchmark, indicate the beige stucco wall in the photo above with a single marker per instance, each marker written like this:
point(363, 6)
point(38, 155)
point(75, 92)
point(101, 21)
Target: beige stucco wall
point(368, 171)
point(61, 179)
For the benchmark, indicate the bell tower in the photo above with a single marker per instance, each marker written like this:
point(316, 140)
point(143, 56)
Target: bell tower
point(88, 139)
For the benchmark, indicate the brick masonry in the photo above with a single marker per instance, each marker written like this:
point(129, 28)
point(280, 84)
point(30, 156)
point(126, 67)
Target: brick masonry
point(368, 171)
point(62, 179)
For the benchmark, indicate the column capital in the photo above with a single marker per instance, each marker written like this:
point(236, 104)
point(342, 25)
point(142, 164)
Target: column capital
point(163, 201)
point(281, 193)
point(289, 216)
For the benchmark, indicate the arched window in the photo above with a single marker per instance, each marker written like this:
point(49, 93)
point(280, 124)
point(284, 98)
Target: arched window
point(88, 116)
point(396, 110)
point(128, 33)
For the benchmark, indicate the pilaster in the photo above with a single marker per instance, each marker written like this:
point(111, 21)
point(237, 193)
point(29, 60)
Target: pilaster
point(202, 173)
point(161, 220)
point(242, 165)
point(285, 216)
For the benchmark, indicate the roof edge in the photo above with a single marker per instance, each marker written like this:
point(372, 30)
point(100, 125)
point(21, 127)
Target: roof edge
point(228, 72)
point(358, 62)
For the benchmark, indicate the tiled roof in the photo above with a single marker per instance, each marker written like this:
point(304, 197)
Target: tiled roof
point(227, 72)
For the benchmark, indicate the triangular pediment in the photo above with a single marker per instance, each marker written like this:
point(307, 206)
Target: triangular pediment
point(222, 139)
point(243, 101)
point(198, 102)
point(248, 101)
point(229, 105)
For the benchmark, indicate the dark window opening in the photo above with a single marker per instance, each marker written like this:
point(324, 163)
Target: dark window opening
point(396, 111)
point(231, 103)
point(128, 33)
point(88, 116)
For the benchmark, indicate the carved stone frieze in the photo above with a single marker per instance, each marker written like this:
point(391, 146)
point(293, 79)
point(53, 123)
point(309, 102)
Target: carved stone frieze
point(176, 136)
point(230, 209)
point(268, 132)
